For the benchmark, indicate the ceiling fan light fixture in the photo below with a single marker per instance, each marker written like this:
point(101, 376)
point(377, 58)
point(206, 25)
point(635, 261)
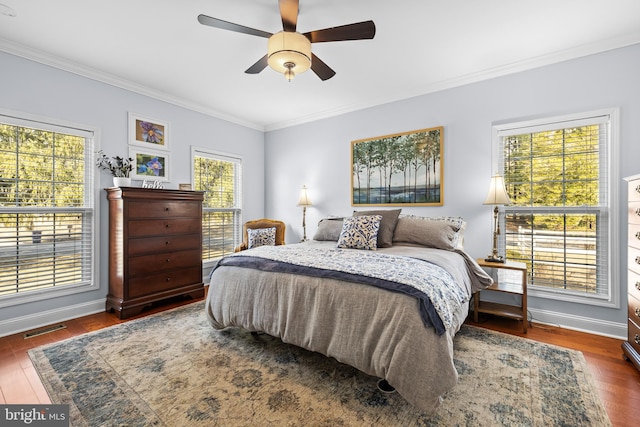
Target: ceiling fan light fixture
point(289, 51)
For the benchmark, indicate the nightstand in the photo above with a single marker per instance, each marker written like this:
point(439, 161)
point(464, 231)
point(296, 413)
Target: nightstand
point(511, 278)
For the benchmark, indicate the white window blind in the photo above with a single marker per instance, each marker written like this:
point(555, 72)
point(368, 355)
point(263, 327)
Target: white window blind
point(220, 177)
point(557, 176)
point(46, 207)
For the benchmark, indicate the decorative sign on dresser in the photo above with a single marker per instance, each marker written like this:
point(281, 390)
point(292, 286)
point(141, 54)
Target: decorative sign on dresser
point(155, 247)
point(631, 347)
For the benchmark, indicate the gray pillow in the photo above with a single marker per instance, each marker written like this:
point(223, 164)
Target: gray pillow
point(432, 233)
point(387, 225)
point(329, 229)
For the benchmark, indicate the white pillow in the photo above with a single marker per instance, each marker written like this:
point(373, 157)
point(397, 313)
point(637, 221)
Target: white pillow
point(360, 232)
point(261, 237)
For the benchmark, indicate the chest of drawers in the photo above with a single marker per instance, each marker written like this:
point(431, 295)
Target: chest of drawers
point(155, 247)
point(631, 347)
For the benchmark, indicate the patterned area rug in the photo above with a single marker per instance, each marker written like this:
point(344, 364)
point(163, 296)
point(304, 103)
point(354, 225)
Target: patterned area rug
point(173, 369)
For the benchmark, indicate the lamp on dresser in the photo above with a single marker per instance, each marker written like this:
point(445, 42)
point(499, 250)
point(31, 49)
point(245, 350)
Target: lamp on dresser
point(497, 196)
point(304, 201)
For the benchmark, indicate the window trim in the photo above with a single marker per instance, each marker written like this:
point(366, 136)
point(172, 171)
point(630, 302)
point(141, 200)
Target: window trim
point(219, 155)
point(612, 300)
point(62, 126)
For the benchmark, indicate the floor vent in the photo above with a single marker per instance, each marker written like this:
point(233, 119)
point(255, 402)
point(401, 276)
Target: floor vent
point(44, 331)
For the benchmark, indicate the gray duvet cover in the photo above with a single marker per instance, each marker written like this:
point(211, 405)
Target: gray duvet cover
point(374, 330)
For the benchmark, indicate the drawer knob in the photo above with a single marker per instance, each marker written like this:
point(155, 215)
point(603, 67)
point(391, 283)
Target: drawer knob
point(167, 242)
point(637, 311)
point(168, 260)
point(637, 339)
point(166, 226)
point(638, 286)
point(169, 279)
point(166, 209)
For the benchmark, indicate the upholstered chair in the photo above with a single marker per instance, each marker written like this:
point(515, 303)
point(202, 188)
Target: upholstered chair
point(261, 223)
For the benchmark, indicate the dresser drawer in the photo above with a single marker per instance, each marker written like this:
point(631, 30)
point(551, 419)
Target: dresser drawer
point(634, 213)
point(634, 335)
point(634, 235)
point(634, 309)
point(163, 281)
point(168, 243)
point(162, 227)
point(633, 261)
point(633, 192)
point(164, 209)
point(149, 264)
point(634, 284)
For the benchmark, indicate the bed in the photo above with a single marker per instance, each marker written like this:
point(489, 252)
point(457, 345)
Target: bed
point(391, 312)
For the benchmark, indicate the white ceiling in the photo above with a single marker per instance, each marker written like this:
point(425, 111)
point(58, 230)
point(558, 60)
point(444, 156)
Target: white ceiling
point(158, 48)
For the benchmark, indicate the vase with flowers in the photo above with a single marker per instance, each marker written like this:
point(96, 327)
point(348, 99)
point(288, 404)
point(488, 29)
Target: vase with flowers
point(118, 167)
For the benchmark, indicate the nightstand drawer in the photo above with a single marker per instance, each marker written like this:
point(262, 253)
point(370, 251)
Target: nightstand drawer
point(164, 209)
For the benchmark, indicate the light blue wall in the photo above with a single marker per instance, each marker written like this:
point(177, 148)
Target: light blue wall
point(40, 90)
point(318, 154)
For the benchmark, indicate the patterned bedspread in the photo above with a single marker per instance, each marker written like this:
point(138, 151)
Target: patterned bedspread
point(434, 287)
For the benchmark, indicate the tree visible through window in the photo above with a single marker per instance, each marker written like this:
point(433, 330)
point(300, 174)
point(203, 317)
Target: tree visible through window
point(556, 175)
point(219, 177)
point(46, 208)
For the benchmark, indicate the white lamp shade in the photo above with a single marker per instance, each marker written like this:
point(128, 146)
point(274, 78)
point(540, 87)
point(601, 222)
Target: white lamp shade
point(304, 197)
point(287, 46)
point(497, 192)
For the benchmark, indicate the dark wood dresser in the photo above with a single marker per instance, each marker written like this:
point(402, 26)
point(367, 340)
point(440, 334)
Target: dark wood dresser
point(155, 247)
point(631, 347)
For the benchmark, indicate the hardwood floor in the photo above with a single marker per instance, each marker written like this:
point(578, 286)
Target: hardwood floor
point(617, 380)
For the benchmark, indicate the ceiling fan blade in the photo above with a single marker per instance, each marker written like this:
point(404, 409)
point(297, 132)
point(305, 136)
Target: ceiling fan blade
point(230, 26)
point(289, 13)
point(258, 66)
point(358, 31)
point(321, 69)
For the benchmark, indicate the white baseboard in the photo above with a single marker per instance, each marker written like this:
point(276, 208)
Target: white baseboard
point(33, 321)
point(579, 323)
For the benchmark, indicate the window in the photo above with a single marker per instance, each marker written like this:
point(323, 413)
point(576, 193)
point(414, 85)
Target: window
point(557, 174)
point(219, 176)
point(46, 209)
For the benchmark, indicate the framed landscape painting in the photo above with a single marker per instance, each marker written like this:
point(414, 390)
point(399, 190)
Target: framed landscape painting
point(399, 169)
point(148, 132)
point(149, 164)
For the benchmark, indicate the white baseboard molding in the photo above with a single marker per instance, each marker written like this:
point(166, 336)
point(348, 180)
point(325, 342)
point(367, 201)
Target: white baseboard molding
point(33, 321)
point(579, 323)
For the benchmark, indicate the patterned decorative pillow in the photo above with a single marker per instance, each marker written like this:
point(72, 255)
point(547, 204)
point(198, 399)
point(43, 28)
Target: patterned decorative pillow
point(387, 225)
point(360, 232)
point(261, 237)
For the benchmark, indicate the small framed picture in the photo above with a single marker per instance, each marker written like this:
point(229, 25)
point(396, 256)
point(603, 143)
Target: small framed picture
point(148, 132)
point(149, 164)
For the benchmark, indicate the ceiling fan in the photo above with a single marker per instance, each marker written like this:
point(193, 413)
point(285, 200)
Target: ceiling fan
point(289, 52)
